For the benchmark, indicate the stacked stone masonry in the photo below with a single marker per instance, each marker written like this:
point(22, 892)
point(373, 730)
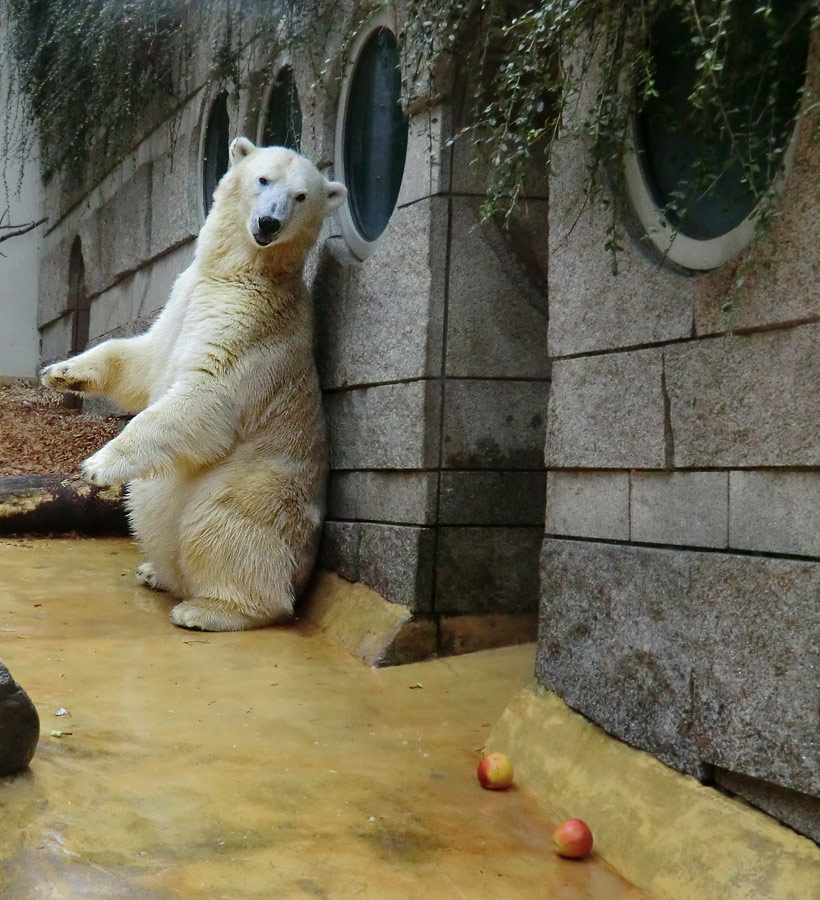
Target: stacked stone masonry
point(436, 384)
point(432, 351)
point(670, 419)
point(681, 566)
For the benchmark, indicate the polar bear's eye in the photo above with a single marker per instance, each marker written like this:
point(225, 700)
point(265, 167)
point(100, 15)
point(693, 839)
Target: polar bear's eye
point(262, 180)
point(299, 198)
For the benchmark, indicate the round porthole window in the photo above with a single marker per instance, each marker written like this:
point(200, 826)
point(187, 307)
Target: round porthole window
point(215, 149)
point(283, 115)
point(694, 194)
point(371, 143)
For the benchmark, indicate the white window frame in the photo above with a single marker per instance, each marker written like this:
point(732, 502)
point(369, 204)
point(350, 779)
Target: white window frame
point(689, 252)
point(361, 248)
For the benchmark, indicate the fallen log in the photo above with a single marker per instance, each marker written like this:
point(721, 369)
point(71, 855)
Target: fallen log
point(55, 504)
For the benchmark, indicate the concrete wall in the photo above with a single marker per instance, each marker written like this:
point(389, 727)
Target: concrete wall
point(432, 352)
point(19, 351)
point(681, 568)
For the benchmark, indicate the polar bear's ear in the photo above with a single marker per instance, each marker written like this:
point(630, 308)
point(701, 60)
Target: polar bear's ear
point(336, 195)
point(240, 148)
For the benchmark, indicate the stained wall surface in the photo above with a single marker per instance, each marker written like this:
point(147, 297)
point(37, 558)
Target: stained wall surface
point(681, 567)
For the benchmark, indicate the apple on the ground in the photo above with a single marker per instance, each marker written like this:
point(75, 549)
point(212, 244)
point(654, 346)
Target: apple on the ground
point(572, 839)
point(495, 772)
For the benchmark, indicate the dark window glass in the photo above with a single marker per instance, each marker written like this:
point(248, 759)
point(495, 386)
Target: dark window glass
point(686, 152)
point(375, 135)
point(283, 119)
point(217, 140)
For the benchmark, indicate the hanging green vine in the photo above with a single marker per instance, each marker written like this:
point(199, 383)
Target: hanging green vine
point(97, 73)
point(88, 77)
point(89, 71)
point(587, 70)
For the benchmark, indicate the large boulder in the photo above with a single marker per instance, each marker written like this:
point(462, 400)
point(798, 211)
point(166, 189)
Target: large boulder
point(19, 725)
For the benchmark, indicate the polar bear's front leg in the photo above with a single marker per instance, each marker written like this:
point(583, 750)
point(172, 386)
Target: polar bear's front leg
point(130, 455)
point(118, 369)
point(190, 427)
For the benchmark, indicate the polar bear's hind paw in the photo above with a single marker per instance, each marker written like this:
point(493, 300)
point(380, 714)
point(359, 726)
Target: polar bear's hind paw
point(147, 575)
point(210, 614)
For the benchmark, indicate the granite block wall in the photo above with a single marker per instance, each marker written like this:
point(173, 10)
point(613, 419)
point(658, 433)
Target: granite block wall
point(679, 579)
point(431, 352)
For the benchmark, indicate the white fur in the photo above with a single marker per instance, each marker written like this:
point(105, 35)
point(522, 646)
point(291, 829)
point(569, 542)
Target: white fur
point(226, 458)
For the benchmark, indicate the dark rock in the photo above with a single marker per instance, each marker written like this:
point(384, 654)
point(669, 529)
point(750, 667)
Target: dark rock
point(19, 725)
point(52, 504)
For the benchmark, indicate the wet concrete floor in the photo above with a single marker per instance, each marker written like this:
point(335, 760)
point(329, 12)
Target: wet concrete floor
point(265, 765)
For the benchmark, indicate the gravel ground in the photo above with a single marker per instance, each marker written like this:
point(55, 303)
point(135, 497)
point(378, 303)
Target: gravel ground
point(39, 436)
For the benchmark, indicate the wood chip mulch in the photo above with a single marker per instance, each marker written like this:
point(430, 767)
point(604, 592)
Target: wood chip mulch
point(38, 435)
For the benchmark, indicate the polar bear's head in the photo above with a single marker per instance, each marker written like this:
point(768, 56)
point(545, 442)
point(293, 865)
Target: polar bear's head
point(280, 196)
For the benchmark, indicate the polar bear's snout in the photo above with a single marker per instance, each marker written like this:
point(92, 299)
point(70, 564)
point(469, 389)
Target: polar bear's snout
point(266, 228)
point(269, 224)
point(272, 212)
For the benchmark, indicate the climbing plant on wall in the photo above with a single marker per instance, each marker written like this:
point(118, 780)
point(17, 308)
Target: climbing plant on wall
point(89, 71)
point(93, 75)
point(97, 73)
point(582, 70)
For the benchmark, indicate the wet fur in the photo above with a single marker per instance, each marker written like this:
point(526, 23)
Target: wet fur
point(226, 458)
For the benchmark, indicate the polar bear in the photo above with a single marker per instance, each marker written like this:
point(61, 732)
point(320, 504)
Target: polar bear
point(226, 459)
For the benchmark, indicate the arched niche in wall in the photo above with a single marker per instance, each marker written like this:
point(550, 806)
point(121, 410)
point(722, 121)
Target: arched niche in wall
point(281, 124)
point(78, 307)
point(215, 143)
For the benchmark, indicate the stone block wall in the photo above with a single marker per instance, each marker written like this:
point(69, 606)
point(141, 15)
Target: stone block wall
point(432, 352)
point(681, 568)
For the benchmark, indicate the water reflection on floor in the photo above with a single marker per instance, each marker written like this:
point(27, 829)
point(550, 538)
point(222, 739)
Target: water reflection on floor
point(261, 765)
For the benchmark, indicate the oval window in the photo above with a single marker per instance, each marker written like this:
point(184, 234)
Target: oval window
point(693, 191)
point(283, 117)
point(215, 149)
point(374, 135)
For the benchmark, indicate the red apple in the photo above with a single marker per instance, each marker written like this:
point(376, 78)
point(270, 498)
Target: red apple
point(495, 772)
point(572, 839)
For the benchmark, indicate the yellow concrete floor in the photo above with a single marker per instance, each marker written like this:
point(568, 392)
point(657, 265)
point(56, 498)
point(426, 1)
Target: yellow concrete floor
point(265, 765)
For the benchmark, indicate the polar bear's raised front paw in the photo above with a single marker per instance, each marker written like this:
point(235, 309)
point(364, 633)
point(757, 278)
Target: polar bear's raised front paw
point(108, 466)
point(69, 376)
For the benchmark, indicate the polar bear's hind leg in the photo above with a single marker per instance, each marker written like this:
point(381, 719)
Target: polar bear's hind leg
point(237, 571)
point(213, 614)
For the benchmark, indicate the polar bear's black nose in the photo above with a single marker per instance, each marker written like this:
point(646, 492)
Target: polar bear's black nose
point(269, 225)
